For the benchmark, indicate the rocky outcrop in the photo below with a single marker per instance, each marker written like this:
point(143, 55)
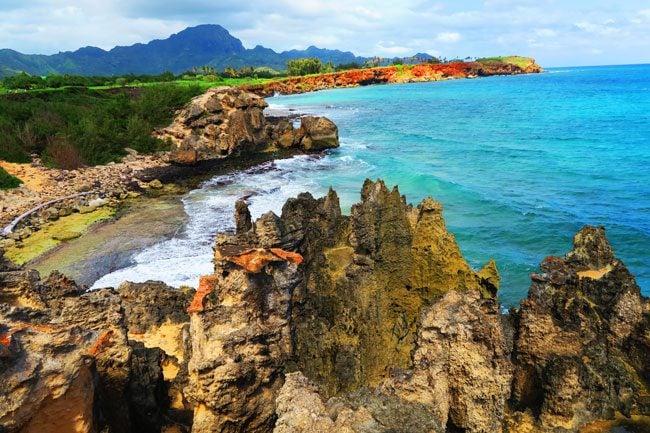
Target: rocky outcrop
point(395, 74)
point(315, 321)
point(67, 363)
point(226, 121)
point(336, 297)
point(581, 351)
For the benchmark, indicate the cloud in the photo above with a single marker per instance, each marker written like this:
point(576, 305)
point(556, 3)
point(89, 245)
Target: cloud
point(605, 29)
point(447, 37)
point(554, 31)
point(545, 33)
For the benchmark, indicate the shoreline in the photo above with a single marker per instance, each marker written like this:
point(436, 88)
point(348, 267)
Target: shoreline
point(169, 182)
point(137, 174)
point(398, 74)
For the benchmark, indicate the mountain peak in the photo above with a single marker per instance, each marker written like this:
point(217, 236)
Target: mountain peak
point(205, 44)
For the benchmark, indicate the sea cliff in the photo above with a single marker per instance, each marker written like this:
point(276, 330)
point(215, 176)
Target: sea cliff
point(399, 74)
point(318, 321)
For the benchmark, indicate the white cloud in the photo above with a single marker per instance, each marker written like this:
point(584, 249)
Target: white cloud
point(551, 30)
point(389, 49)
point(447, 37)
point(605, 29)
point(545, 33)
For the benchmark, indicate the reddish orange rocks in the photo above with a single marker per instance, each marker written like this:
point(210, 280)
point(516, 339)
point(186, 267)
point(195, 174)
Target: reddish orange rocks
point(102, 343)
point(207, 284)
point(254, 259)
point(393, 74)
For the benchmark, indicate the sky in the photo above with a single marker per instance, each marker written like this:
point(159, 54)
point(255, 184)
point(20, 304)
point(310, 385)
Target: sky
point(555, 32)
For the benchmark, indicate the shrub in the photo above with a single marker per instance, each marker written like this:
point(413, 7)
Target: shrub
point(8, 181)
point(63, 154)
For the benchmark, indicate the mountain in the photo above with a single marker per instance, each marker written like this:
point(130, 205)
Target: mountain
point(207, 44)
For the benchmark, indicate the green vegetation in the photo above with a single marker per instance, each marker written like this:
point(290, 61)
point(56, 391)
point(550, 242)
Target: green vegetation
point(308, 66)
point(522, 62)
point(8, 181)
point(77, 126)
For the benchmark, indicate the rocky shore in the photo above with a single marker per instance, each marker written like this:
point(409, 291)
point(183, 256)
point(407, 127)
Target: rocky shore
point(397, 74)
point(314, 321)
point(223, 128)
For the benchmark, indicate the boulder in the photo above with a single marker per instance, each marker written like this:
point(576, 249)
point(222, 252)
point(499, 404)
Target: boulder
point(318, 133)
point(582, 330)
point(227, 121)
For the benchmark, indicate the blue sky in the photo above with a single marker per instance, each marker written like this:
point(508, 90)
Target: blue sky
point(555, 32)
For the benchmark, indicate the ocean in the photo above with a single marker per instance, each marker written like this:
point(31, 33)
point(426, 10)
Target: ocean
point(520, 164)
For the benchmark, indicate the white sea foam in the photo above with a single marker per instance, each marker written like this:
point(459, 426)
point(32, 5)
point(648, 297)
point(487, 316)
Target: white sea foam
point(181, 260)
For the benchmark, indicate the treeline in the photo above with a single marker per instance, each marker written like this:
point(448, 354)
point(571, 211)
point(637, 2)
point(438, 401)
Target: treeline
point(25, 81)
point(76, 126)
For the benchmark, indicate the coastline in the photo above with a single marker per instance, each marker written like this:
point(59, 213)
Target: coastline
point(395, 74)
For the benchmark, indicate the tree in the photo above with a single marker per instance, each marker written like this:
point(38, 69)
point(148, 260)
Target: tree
point(305, 66)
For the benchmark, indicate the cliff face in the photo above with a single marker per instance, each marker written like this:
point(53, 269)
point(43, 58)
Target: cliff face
point(315, 321)
point(227, 121)
point(394, 74)
point(582, 349)
point(350, 302)
point(82, 362)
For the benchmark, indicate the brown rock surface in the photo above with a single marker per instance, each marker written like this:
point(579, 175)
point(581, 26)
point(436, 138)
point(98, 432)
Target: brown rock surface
point(582, 347)
point(67, 364)
point(344, 316)
point(227, 121)
point(315, 321)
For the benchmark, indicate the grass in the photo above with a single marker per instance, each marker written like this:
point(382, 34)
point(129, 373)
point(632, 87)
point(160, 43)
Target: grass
point(8, 181)
point(202, 84)
point(522, 62)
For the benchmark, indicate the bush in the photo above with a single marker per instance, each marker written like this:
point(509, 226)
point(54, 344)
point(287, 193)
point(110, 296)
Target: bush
point(62, 154)
point(8, 181)
point(75, 126)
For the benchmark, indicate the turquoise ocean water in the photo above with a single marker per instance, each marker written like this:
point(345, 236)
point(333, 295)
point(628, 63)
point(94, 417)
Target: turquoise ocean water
point(520, 164)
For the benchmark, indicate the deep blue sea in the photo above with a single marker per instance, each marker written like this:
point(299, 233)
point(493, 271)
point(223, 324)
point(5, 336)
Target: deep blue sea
point(520, 164)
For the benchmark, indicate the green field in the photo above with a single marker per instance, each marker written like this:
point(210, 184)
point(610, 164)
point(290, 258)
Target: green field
point(522, 62)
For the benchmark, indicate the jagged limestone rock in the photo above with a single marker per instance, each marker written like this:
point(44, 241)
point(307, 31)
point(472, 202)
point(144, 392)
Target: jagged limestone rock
point(581, 333)
point(227, 121)
point(66, 364)
point(344, 317)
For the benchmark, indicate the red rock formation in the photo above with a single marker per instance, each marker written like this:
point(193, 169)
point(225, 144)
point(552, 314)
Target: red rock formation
point(391, 74)
point(253, 260)
point(207, 284)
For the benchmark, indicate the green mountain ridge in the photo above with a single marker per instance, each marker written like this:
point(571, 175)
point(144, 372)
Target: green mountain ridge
point(203, 45)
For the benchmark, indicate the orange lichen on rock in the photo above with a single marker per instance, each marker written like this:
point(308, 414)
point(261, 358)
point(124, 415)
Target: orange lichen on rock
point(5, 339)
point(102, 343)
point(288, 256)
point(207, 284)
point(253, 260)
